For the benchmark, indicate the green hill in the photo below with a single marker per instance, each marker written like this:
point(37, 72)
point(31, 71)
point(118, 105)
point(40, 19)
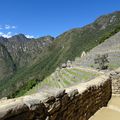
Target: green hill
point(7, 66)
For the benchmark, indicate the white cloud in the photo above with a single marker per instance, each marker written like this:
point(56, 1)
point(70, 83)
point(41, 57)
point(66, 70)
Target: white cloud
point(29, 36)
point(13, 27)
point(6, 35)
point(1, 33)
point(7, 27)
point(9, 33)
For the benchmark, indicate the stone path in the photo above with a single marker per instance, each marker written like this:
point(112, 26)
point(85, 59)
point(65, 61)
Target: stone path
point(112, 112)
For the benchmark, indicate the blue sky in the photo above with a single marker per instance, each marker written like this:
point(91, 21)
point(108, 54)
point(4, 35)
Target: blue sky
point(50, 17)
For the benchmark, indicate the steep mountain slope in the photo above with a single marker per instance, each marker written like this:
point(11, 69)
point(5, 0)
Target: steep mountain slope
point(24, 51)
point(69, 45)
point(111, 46)
point(7, 66)
point(85, 38)
point(3, 40)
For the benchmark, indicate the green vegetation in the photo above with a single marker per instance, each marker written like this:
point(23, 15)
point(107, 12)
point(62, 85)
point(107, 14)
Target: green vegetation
point(24, 89)
point(113, 66)
point(7, 66)
point(64, 78)
point(108, 35)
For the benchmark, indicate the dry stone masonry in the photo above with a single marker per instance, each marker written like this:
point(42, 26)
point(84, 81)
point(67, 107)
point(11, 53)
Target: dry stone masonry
point(78, 102)
point(115, 76)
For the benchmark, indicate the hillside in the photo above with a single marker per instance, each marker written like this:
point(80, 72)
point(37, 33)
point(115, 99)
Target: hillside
point(7, 66)
point(35, 61)
point(111, 47)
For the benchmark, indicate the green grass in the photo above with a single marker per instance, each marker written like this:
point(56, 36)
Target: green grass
point(67, 74)
point(65, 78)
point(113, 66)
point(83, 75)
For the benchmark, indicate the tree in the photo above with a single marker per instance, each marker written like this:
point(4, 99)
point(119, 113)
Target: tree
point(102, 61)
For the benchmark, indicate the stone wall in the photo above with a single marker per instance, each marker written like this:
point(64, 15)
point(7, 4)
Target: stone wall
point(78, 102)
point(115, 77)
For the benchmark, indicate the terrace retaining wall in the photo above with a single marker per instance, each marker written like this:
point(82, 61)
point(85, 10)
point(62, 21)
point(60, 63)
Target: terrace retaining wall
point(78, 102)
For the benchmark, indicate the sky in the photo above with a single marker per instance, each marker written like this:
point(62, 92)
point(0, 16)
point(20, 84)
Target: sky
point(36, 18)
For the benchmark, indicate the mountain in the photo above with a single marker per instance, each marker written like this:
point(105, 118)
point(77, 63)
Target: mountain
point(35, 59)
point(7, 66)
point(24, 50)
point(3, 40)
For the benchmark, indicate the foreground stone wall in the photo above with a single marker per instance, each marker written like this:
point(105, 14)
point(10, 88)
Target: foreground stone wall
point(115, 77)
point(78, 102)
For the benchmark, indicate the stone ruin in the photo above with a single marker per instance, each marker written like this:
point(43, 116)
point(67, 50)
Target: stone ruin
point(78, 102)
point(83, 54)
point(68, 64)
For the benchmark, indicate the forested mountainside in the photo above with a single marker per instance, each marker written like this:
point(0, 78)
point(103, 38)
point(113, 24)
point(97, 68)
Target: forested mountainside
point(35, 59)
point(7, 66)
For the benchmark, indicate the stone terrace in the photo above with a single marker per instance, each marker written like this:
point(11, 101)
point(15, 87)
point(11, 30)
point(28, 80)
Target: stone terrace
point(78, 102)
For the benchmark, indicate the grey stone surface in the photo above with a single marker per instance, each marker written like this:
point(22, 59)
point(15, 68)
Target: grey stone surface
point(115, 77)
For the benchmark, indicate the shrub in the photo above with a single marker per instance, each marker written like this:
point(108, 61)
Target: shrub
point(102, 60)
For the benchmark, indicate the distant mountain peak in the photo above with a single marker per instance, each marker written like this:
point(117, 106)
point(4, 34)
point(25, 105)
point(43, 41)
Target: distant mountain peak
point(19, 38)
point(3, 40)
point(47, 36)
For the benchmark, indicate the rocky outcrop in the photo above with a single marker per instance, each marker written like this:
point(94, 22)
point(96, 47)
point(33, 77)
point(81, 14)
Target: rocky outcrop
point(78, 102)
